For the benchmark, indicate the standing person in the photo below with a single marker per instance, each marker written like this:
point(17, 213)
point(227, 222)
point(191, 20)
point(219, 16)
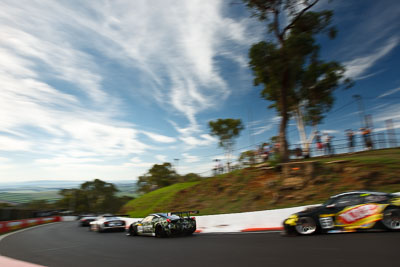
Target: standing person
point(350, 139)
point(369, 138)
point(366, 134)
point(299, 152)
point(318, 141)
point(327, 144)
point(266, 151)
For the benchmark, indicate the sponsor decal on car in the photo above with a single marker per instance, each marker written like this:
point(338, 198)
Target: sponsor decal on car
point(396, 201)
point(361, 216)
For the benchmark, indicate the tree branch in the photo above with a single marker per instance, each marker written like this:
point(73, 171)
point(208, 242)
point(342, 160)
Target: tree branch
point(278, 34)
point(298, 17)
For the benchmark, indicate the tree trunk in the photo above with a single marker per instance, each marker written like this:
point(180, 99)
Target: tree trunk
point(305, 142)
point(283, 146)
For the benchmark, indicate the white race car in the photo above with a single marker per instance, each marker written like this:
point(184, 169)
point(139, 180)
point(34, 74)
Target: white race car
point(107, 222)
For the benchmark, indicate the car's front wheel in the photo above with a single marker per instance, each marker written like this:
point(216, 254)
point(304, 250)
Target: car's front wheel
point(306, 226)
point(132, 231)
point(159, 232)
point(391, 219)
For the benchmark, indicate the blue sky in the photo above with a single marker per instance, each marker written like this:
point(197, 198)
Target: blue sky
point(105, 89)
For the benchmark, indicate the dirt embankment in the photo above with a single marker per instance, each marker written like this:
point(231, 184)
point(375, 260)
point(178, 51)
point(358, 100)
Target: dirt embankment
point(306, 182)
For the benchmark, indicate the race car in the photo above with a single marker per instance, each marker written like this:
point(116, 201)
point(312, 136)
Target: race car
point(347, 212)
point(164, 224)
point(86, 220)
point(107, 222)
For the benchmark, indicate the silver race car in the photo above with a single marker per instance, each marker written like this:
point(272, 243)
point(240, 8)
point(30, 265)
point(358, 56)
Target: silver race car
point(107, 222)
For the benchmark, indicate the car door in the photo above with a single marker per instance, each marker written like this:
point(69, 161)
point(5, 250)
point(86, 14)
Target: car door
point(353, 212)
point(146, 223)
point(154, 222)
point(328, 214)
point(140, 225)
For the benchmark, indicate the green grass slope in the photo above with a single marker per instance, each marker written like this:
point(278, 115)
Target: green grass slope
point(155, 201)
point(254, 188)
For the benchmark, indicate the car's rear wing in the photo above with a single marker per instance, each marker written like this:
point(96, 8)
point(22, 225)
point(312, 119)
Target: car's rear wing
point(184, 213)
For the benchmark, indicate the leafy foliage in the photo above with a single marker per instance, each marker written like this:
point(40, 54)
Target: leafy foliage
point(247, 157)
point(288, 64)
point(162, 175)
point(94, 196)
point(226, 130)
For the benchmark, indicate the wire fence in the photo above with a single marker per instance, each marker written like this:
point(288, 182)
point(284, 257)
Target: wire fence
point(378, 140)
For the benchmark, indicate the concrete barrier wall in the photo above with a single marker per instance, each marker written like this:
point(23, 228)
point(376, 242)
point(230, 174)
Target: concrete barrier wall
point(241, 222)
point(8, 226)
point(245, 221)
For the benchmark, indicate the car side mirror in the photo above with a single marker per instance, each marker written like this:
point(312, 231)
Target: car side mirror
point(331, 206)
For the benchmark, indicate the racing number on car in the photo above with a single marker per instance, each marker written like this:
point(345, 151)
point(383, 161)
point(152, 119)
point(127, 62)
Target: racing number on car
point(357, 213)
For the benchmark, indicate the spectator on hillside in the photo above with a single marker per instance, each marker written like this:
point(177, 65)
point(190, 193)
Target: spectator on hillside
point(350, 139)
point(266, 151)
point(299, 152)
point(366, 134)
point(318, 141)
point(327, 144)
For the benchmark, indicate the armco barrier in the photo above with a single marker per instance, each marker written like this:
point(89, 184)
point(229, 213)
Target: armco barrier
point(8, 226)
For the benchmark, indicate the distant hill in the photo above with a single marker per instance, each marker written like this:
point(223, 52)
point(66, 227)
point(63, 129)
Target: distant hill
point(22, 192)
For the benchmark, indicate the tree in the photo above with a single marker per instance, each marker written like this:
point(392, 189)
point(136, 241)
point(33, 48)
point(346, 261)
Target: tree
point(99, 195)
point(93, 196)
point(226, 130)
point(190, 177)
point(288, 66)
point(160, 175)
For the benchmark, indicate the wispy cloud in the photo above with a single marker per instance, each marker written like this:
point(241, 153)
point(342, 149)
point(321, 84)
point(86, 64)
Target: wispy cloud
point(261, 126)
point(189, 41)
point(390, 92)
point(55, 95)
point(358, 66)
point(190, 158)
point(391, 112)
point(192, 136)
point(160, 138)
point(262, 129)
point(13, 144)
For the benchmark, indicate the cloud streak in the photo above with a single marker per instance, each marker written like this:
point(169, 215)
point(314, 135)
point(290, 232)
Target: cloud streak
point(358, 66)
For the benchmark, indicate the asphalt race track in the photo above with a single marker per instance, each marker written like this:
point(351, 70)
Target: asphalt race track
point(66, 244)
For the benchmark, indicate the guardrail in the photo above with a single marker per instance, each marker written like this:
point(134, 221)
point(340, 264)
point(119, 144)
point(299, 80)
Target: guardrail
point(7, 226)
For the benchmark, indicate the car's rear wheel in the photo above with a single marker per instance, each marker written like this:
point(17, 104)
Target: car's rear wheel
point(391, 219)
point(306, 226)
